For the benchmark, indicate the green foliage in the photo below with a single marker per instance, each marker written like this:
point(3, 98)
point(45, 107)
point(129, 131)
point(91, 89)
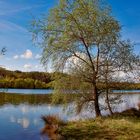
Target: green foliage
point(72, 23)
point(18, 79)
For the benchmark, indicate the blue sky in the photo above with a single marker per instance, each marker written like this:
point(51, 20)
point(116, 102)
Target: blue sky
point(15, 18)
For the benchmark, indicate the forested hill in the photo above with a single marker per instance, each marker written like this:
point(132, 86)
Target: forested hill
point(18, 79)
point(44, 80)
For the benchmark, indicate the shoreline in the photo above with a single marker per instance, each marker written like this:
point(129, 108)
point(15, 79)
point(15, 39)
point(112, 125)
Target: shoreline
point(124, 125)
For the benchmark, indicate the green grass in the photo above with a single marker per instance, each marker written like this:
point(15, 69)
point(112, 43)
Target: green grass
point(116, 127)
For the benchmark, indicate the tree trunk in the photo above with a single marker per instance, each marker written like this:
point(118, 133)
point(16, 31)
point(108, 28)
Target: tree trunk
point(107, 88)
point(107, 101)
point(96, 102)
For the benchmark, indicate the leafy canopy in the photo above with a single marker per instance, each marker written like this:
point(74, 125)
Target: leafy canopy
point(76, 26)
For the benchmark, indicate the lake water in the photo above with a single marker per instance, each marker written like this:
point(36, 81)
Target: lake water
point(126, 91)
point(22, 121)
point(48, 91)
point(27, 91)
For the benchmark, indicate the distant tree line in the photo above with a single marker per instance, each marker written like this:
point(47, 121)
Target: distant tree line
point(44, 80)
point(18, 79)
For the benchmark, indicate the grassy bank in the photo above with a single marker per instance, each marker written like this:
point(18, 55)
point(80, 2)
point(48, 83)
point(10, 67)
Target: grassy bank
point(124, 126)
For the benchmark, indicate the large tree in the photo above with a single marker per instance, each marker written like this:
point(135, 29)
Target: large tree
point(73, 35)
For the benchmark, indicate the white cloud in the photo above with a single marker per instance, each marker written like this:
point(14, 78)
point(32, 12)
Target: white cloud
point(38, 56)
point(37, 66)
point(27, 66)
point(75, 60)
point(15, 56)
point(27, 54)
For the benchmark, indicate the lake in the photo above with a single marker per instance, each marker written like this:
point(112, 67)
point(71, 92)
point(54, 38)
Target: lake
point(126, 91)
point(27, 91)
point(21, 120)
point(48, 91)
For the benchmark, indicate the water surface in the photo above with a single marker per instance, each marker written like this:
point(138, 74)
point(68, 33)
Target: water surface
point(126, 91)
point(22, 120)
point(27, 91)
point(49, 91)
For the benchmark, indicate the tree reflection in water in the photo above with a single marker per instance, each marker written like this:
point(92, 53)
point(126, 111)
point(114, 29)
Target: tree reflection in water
point(32, 99)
